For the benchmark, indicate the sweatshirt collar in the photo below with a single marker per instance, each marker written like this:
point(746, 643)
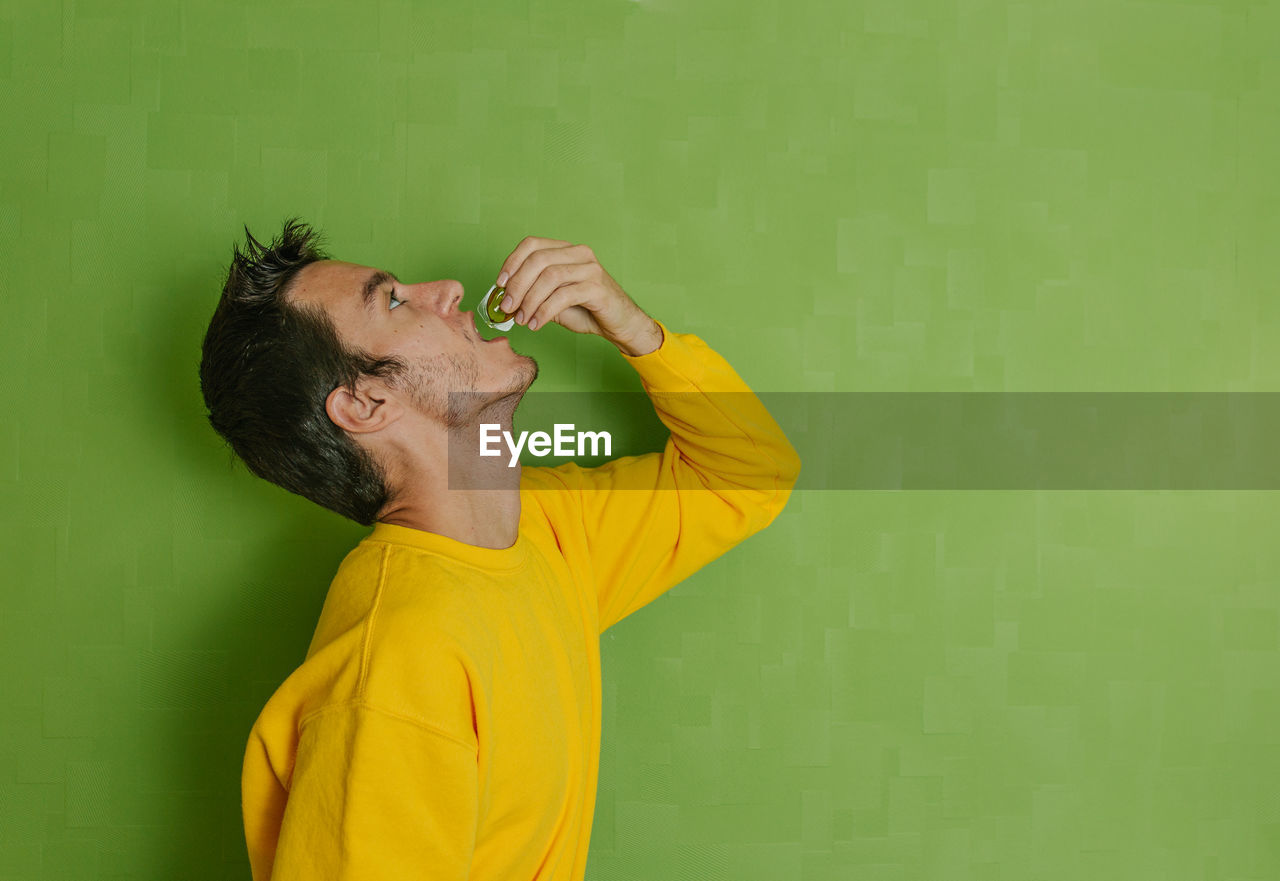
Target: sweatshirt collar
point(495, 559)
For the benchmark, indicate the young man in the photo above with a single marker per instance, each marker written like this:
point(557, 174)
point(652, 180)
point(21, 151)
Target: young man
point(445, 723)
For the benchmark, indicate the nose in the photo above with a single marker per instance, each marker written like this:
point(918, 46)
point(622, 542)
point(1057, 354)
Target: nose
point(445, 296)
point(454, 297)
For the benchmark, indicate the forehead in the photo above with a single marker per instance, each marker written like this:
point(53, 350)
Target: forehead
point(333, 284)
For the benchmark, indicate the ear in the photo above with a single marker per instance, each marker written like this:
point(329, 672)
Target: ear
point(369, 409)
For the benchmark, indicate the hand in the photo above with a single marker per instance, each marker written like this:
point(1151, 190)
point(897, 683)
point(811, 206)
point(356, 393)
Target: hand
point(552, 280)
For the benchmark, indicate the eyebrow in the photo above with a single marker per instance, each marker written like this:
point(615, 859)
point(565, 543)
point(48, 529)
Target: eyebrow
point(372, 283)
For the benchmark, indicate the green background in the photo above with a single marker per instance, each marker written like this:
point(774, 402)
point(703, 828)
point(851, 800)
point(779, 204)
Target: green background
point(919, 196)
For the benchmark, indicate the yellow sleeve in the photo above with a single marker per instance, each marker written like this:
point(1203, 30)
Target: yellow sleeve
point(377, 796)
point(725, 473)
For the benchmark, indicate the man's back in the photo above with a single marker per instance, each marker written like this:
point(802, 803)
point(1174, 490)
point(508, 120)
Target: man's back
point(449, 707)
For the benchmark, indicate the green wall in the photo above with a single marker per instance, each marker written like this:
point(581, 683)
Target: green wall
point(896, 196)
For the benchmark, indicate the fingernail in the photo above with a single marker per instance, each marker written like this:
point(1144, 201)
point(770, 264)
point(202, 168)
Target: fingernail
point(533, 325)
point(502, 279)
point(520, 316)
point(507, 302)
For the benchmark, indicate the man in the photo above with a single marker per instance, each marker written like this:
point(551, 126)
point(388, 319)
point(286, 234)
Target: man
point(445, 723)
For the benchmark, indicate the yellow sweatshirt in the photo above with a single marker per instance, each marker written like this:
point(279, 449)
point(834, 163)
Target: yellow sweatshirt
point(445, 723)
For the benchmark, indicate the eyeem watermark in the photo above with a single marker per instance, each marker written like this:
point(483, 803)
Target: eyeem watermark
point(543, 444)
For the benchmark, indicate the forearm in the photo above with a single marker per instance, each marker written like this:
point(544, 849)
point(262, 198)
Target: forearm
point(717, 423)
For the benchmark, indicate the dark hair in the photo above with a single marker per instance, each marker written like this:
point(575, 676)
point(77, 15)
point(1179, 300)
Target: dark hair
point(267, 367)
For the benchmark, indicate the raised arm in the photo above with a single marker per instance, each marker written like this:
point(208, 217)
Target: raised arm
point(726, 471)
point(647, 522)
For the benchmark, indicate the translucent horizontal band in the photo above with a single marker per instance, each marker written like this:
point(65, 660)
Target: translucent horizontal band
point(927, 440)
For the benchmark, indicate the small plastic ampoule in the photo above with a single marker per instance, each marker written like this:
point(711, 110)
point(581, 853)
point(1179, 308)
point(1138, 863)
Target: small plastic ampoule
point(493, 317)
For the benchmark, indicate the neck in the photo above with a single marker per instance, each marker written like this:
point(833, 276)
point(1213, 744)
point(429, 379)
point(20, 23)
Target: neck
point(458, 493)
point(485, 518)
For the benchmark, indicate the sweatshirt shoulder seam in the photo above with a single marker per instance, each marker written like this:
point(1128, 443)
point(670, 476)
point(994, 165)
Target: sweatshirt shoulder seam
point(367, 641)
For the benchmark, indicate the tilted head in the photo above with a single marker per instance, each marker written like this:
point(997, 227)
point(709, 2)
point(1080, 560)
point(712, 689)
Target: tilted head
point(305, 354)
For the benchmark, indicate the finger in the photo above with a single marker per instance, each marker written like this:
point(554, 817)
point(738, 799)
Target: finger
point(551, 279)
point(526, 276)
point(527, 246)
point(576, 293)
point(577, 319)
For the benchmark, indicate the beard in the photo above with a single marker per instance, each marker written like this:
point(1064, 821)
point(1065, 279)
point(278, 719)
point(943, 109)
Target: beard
point(444, 388)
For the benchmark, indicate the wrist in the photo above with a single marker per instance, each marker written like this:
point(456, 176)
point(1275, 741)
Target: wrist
point(645, 339)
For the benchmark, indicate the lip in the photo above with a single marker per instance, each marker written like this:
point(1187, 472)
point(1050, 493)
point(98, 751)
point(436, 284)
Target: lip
point(478, 338)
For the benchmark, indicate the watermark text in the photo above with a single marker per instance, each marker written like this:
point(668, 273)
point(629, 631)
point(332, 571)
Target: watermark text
point(560, 442)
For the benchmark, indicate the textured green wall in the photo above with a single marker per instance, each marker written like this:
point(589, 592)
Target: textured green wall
point(887, 195)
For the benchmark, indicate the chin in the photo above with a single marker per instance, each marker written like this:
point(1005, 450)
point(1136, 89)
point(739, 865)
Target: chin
point(527, 372)
point(516, 384)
